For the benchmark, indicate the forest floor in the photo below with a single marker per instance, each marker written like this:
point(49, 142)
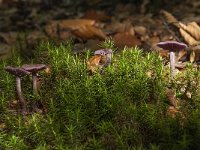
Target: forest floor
point(130, 104)
point(88, 23)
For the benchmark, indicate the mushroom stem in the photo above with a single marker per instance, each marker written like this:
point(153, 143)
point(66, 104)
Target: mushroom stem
point(19, 95)
point(172, 65)
point(34, 78)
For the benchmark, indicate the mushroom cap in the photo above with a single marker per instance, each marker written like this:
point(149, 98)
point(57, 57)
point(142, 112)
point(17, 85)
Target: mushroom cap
point(103, 52)
point(17, 71)
point(34, 67)
point(172, 45)
point(100, 52)
point(108, 51)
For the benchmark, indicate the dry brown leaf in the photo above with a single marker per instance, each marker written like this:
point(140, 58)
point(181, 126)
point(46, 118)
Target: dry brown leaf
point(194, 24)
point(192, 28)
point(181, 54)
point(75, 23)
point(89, 32)
point(192, 56)
point(70, 24)
point(119, 27)
point(180, 66)
point(170, 18)
point(93, 63)
point(153, 41)
point(188, 38)
point(140, 30)
point(98, 16)
point(126, 39)
point(196, 49)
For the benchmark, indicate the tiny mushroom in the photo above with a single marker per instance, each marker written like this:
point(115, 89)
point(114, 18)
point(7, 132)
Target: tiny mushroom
point(19, 72)
point(34, 68)
point(100, 52)
point(173, 47)
point(105, 59)
point(108, 57)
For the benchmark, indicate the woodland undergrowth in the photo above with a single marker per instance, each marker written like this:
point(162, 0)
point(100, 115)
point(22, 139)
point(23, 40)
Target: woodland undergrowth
point(126, 107)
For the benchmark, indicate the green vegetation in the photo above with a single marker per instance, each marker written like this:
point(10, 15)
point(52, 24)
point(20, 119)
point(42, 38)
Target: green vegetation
point(125, 108)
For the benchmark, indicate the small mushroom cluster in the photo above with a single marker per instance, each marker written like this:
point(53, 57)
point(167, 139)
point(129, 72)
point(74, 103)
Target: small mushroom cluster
point(23, 71)
point(100, 60)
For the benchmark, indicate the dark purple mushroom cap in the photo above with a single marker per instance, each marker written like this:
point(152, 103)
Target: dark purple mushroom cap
point(34, 67)
point(172, 45)
point(17, 71)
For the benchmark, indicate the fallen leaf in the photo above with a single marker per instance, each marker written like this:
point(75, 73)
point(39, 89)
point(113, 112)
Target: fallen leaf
point(94, 15)
point(192, 56)
point(153, 41)
point(140, 30)
point(188, 38)
point(118, 27)
point(180, 66)
point(74, 24)
point(125, 39)
point(93, 63)
point(192, 28)
point(89, 32)
point(170, 18)
point(181, 54)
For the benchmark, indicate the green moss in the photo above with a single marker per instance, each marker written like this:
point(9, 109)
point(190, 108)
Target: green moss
point(122, 109)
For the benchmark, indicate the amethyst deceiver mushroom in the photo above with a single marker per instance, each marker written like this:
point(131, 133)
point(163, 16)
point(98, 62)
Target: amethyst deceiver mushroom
point(33, 69)
point(173, 47)
point(19, 72)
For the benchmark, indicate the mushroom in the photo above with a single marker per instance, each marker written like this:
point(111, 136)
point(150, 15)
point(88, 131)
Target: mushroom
point(19, 72)
point(173, 47)
point(108, 57)
point(105, 58)
point(100, 52)
point(34, 68)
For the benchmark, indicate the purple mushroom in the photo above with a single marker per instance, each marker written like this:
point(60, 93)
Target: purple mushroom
point(100, 52)
point(34, 68)
point(106, 53)
point(19, 72)
point(108, 57)
point(173, 47)
point(105, 59)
